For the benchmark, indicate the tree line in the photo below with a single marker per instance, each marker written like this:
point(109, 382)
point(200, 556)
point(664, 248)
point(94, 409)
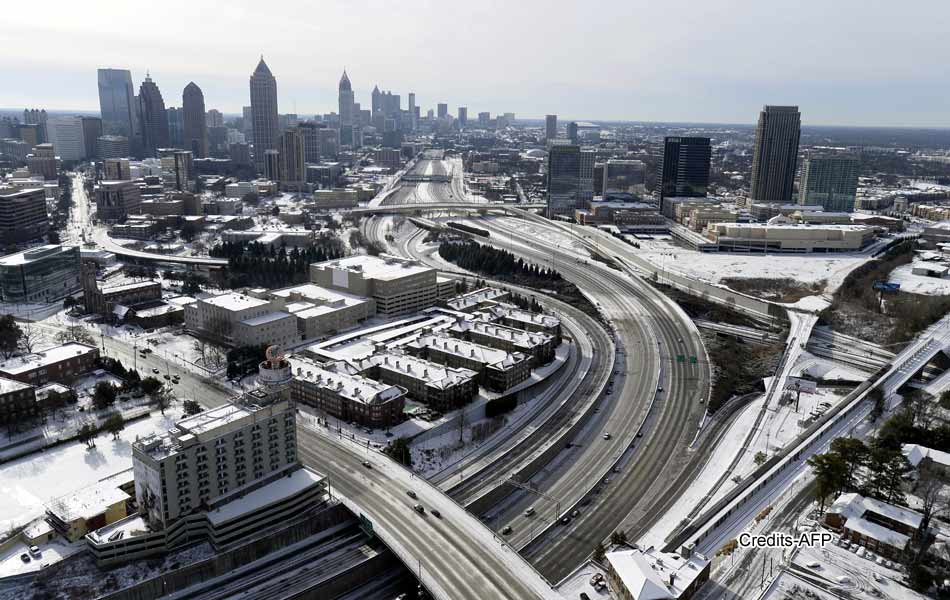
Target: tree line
point(501, 264)
point(256, 264)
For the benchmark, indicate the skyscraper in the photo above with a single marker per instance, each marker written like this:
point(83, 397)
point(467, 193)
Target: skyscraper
point(413, 111)
point(345, 98)
point(116, 101)
point(572, 132)
point(176, 127)
point(684, 169)
point(776, 153)
point(550, 127)
point(376, 97)
point(214, 118)
point(153, 120)
point(463, 116)
point(443, 110)
point(194, 127)
point(570, 179)
point(264, 112)
point(293, 169)
point(91, 130)
point(831, 181)
point(66, 135)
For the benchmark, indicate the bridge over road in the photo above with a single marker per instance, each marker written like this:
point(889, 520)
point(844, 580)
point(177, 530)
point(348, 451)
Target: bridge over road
point(443, 206)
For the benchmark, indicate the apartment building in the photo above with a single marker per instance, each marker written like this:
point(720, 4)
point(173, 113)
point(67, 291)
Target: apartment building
point(470, 302)
point(437, 386)
point(397, 285)
point(61, 364)
point(340, 390)
point(512, 316)
point(497, 370)
point(539, 346)
point(17, 401)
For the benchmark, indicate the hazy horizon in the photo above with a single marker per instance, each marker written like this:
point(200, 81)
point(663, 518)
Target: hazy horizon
point(846, 63)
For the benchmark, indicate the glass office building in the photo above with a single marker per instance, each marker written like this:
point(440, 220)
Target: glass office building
point(40, 275)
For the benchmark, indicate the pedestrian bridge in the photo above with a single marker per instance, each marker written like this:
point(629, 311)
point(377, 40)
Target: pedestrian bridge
point(416, 178)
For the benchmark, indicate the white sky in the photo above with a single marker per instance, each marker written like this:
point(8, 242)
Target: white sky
point(870, 62)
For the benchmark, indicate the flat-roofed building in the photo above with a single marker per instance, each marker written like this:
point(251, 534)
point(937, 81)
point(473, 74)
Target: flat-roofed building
point(17, 401)
point(61, 364)
point(397, 285)
point(40, 275)
point(437, 386)
point(43, 162)
point(335, 198)
point(22, 215)
point(638, 574)
point(273, 328)
point(240, 319)
point(75, 514)
point(320, 311)
point(116, 169)
point(339, 390)
point(784, 237)
point(115, 200)
point(497, 370)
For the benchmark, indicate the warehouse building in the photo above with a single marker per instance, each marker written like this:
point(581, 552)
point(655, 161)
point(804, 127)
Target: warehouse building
point(397, 285)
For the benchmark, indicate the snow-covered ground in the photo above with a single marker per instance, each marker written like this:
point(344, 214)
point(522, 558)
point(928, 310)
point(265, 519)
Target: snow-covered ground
point(921, 284)
point(579, 582)
point(27, 483)
point(711, 267)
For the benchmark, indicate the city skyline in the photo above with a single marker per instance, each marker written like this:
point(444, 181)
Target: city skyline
point(808, 62)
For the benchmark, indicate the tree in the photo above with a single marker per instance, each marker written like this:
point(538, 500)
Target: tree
point(398, 450)
point(945, 400)
point(191, 286)
point(191, 407)
point(52, 237)
point(760, 458)
point(876, 395)
point(87, 435)
point(830, 475)
point(855, 454)
point(10, 335)
point(600, 553)
point(103, 396)
point(150, 385)
point(114, 424)
point(618, 537)
point(31, 337)
point(75, 333)
point(886, 470)
point(275, 211)
point(161, 399)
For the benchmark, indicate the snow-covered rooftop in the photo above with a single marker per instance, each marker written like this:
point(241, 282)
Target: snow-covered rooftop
point(266, 318)
point(21, 364)
point(279, 489)
point(877, 532)
point(653, 575)
point(337, 378)
point(916, 453)
point(92, 500)
point(318, 295)
point(11, 385)
point(470, 350)
point(383, 267)
point(854, 506)
point(235, 301)
point(524, 340)
point(434, 374)
point(476, 297)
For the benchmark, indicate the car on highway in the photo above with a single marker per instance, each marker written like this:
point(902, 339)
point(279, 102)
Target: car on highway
point(436, 513)
point(369, 465)
point(419, 509)
point(584, 596)
point(411, 494)
point(565, 520)
point(506, 530)
point(156, 371)
point(529, 511)
point(606, 435)
point(167, 377)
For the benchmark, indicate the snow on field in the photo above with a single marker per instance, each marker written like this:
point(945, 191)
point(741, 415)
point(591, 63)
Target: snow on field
point(823, 368)
point(27, 483)
point(806, 268)
point(920, 284)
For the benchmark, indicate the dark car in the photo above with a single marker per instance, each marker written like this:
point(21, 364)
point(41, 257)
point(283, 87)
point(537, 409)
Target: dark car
point(410, 493)
point(436, 513)
point(419, 509)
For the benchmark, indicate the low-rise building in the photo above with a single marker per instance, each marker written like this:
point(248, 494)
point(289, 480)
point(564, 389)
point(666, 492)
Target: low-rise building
point(637, 574)
point(397, 285)
point(273, 328)
point(335, 198)
point(339, 390)
point(925, 459)
point(470, 302)
point(539, 346)
point(40, 275)
point(17, 401)
point(497, 370)
point(878, 526)
point(320, 311)
point(437, 386)
point(235, 318)
point(103, 503)
point(786, 237)
point(512, 316)
point(61, 364)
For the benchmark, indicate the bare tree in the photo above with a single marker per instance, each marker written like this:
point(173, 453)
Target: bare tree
point(75, 333)
point(929, 489)
point(32, 336)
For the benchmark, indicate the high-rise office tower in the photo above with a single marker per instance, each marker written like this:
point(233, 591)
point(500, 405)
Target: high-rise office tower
point(176, 127)
point(36, 117)
point(116, 102)
point(272, 165)
point(550, 127)
point(248, 118)
point(484, 119)
point(152, 117)
point(775, 154)
point(443, 110)
point(310, 130)
point(413, 111)
point(684, 168)
point(91, 130)
point(463, 116)
point(66, 135)
point(345, 101)
point(622, 179)
point(293, 168)
point(572, 132)
point(831, 181)
point(214, 118)
point(376, 97)
point(570, 179)
point(264, 112)
point(194, 125)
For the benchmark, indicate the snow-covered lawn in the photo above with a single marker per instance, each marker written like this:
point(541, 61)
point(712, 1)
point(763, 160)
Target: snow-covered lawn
point(920, 284)
point(27, 483)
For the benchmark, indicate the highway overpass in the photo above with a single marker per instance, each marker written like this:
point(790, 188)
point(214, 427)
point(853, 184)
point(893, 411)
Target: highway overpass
point(443, 206)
